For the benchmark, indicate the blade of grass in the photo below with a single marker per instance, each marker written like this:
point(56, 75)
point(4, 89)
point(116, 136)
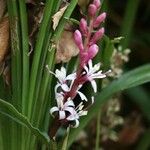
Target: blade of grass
point(25, 51)
point(41, 67)
point(97, 141)
point(144, 143)
point(25, 61)
point(45, 89)
point(37, 54)
point(46, 77)
point(65, 142)
point(128, 22)
point(16, 71)
point(10, 111)
point(5, 123)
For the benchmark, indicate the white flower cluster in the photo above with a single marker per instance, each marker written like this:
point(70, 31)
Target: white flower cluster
point(66, 109)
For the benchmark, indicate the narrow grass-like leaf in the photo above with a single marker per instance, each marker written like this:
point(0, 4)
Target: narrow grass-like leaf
point(130, 79)
point(37, 54)
point(65, 141)
point(25, 60)
point(10, 111)
point(45, 88)
point(25, 51)
point(16, 69)
point(144, 143)
point(128, 22)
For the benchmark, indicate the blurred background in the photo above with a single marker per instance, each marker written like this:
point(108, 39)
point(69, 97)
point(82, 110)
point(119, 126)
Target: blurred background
point(124, 120)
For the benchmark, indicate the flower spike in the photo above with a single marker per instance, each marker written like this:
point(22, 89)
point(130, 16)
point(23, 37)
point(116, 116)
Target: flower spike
point(71, 102)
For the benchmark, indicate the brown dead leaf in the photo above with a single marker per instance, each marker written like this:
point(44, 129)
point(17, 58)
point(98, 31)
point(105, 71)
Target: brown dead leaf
point(66, 47)
point(35, 13)
point(4, 37)
point(57, 16)
point(2, 8)
point(83, 3)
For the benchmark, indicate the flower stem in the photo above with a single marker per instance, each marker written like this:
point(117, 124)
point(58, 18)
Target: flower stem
point(97, 141)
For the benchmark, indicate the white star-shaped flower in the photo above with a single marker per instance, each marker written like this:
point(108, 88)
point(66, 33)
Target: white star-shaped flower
point(62, 107)
point(93, 72)
point(75, 115)
point(62, 77)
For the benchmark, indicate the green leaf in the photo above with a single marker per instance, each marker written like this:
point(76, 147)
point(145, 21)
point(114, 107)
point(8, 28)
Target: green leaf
point(144, 143)
point(130, 79)
point(107, 51)
point(9, 110)
point(128, 21)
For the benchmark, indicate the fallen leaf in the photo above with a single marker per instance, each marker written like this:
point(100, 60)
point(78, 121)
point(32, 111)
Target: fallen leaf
point(57, 16)
point(35, 13)
point(2, 8)
point(66, 47)
point(4, 38)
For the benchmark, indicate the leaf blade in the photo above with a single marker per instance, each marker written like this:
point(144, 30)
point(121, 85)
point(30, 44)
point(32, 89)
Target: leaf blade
point(9, 110)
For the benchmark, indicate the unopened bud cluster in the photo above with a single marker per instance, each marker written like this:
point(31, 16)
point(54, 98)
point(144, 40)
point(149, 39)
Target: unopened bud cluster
point(86, 38)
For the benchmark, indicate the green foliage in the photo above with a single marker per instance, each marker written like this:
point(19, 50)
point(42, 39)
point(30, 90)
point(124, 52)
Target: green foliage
point(27, 103)
point(10, 111)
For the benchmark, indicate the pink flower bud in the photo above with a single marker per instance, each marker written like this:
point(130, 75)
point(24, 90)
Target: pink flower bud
point(78, 39)
point(97, 36)
point(83, 26)
point(97, 3)
point(92, 10)
point(93, 50)
point(99, 20)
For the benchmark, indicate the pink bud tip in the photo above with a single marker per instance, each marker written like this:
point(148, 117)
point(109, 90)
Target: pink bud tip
point(78, 39)
point(83, 26)
point(93, 50)
point(92, 10)
point(99, 20)
point(97, 36)
point(97, 3)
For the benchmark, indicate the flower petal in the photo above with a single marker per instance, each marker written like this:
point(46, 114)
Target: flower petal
point(97, 67)
point(70, 110)
point(53, 109)
point(69, 103)
point(56, 87)
point(83, 113)
point(98, 75)
point(65, 87)
point(62, 115)
point(76, 123)
point(90, 64)
point(94, 85)
point(86, 69)
point(82, 96)
point(73, 116)
point(60, 101)
point(71, 76)
point(61, 74)
point(92, 98)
